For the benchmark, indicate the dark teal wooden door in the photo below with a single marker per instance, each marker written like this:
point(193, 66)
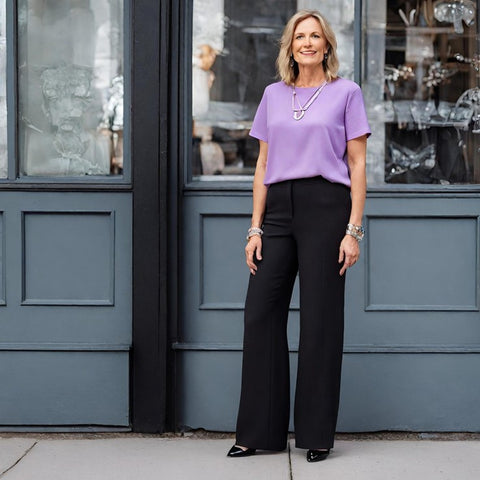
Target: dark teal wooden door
point(65, 308)
point(65, 214)
point(412, 333)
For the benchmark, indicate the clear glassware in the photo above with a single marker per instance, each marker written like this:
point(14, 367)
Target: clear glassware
point(432, 106)
point(455, 12)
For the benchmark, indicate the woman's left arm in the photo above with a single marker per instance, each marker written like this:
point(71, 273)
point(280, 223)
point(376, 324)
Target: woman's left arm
point(356, 155)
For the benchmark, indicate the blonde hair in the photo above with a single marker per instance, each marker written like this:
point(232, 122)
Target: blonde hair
point(330, 65)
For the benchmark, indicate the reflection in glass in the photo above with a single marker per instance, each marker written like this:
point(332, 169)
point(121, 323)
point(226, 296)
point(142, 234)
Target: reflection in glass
point(70, 87)
point(455, 12)
point(235, 45)
point(3, 92)
point(421, 83)
point(416, 164)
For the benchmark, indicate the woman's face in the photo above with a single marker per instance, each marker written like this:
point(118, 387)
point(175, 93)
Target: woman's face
point(309, 44)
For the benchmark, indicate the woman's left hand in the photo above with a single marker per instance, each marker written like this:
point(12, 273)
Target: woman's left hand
point(349, 253)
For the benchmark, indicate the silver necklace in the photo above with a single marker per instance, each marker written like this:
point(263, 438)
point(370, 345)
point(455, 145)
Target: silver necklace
point(298, 113)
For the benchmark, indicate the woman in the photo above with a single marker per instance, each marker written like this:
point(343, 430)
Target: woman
point(308, 197)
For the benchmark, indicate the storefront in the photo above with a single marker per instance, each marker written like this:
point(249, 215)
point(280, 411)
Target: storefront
point(125, 194)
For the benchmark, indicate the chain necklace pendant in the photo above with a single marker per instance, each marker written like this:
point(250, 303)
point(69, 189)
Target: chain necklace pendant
point(299, 113)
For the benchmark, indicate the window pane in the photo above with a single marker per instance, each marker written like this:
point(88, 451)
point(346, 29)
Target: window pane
point(235, 45)
point(421, 88)
point(3, 92)
point(70, 87)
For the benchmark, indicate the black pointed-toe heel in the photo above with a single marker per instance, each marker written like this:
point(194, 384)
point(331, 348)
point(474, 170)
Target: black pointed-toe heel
point(238, 452)
point(317, 455)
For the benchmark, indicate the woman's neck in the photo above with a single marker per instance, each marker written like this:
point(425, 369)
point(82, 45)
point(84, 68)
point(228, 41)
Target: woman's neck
point(310, 77)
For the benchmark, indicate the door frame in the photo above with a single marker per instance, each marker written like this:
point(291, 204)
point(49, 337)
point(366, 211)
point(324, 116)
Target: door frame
point(156, 210)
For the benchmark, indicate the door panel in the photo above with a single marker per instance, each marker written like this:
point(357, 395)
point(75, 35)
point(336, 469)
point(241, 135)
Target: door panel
point(380, 391)
point(65, 327)
point(2, 260)
point(420, 245)
point(56, 244)
point(71, 387)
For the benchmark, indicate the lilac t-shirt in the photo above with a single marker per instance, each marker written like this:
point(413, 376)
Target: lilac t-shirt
point(316, 144)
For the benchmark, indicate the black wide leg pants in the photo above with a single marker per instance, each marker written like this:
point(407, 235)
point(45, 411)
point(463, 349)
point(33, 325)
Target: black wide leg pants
point(304, 223)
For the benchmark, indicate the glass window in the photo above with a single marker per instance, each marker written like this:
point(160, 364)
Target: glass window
point(235, 45)
point(421, 74)
point(3, 92)
point(70, 61)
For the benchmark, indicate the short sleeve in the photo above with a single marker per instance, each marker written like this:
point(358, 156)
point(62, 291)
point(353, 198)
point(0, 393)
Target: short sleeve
point(260, 122)
point(356, 122)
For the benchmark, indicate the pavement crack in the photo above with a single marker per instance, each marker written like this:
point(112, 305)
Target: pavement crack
point(29, 449)
point(290, 461)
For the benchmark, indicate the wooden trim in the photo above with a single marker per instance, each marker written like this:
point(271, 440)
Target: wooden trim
point(64, 347)
point(149, 97)
point(347, 349)
point(227, 186)
point(358, 42)
point(174, 87)
point(12, 89)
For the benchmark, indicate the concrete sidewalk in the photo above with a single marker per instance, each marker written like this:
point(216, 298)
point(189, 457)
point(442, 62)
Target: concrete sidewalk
point(27, 457)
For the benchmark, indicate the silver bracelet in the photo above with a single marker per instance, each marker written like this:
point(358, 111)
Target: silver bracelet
point(254, 231)
point(356, 231)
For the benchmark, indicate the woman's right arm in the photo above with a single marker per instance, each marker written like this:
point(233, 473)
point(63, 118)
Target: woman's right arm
point(254, 245)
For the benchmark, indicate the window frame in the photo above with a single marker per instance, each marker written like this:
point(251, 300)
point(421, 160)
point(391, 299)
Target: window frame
point(14, 180)
point(224, 184)
point(407, 189)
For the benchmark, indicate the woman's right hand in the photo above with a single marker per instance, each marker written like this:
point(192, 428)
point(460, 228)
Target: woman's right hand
point(252, 249)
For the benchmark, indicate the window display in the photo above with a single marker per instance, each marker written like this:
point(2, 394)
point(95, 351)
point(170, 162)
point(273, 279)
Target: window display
point(421, 84)
point(3, 92)
point(70, 57)
point(235, 45)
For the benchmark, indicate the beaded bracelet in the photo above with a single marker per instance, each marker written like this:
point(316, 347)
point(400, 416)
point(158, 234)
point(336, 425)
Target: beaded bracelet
point(356, 231)
point(254, 231)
